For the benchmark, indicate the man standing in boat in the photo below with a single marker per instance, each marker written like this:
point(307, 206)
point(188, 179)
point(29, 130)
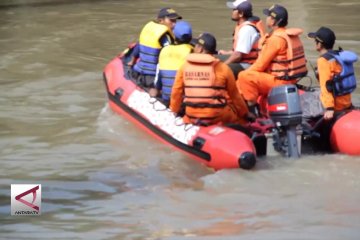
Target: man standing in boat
point(247, 32)
point(281, 59)
point(171, 58)
point(336, 77)
point(207, 88)
point(153, 37)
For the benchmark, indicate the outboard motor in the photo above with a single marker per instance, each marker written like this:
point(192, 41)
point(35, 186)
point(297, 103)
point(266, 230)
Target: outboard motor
point(285, 111)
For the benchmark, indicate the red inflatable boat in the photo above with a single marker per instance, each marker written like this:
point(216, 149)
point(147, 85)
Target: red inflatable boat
point(345, 135)
point(219, 147)
point(215, 146)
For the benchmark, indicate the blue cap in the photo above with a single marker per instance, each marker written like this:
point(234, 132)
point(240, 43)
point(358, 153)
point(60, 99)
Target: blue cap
point(183, 31)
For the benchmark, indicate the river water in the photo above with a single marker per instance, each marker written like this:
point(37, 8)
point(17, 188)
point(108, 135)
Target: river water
point(104, 179)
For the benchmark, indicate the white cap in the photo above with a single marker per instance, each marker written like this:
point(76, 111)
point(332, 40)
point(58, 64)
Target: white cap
point(235, 4)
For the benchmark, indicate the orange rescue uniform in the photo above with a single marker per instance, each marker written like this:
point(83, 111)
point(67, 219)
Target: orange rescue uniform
point(233, 110)
point(327, 70)
point(264, 74)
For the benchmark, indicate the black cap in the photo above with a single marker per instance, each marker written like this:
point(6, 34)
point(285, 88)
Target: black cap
point(208, 41)
point(324, 35)
point(278, 12)
point(168, 12)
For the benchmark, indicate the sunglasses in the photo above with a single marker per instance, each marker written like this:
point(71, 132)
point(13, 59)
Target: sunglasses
point(317, 40)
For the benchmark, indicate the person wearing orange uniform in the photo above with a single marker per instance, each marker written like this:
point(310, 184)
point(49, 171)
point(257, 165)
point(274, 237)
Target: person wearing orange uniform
point(336, 101)
point(281, 60)
point(327, 69)
point(207, 88)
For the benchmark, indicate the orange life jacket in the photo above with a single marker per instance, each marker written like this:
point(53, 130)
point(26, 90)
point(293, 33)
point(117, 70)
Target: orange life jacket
point(254, 52)
point(203, 99)
point(291, 65)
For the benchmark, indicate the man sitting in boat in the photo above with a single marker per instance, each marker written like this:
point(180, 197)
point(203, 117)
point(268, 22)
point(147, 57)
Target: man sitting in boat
point(281, 59)
point(336, 73)
point(336, 77)
point(247, 32)
point(153, 37)
point(171, 58)
point(207, 88)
